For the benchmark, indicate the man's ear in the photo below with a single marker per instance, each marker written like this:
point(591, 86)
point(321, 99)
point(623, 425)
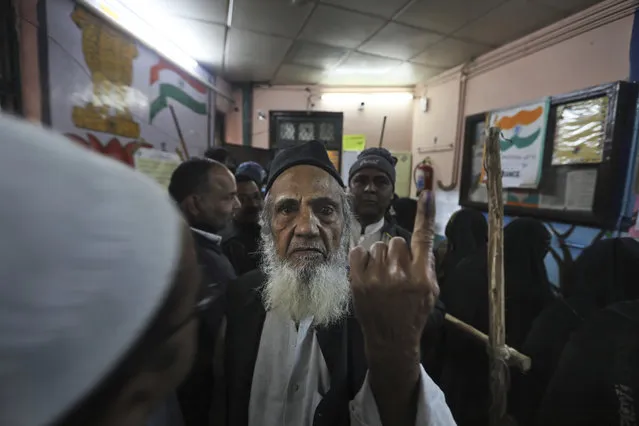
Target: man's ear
point(191, 206)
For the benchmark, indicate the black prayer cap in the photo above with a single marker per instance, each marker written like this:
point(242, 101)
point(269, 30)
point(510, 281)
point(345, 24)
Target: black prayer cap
point(375, 158)
point(311, 153)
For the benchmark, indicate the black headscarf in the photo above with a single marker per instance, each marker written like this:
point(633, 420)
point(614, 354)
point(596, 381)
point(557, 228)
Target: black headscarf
point(466, 233)
point(603, 274)
point(465, 295)
point(526, 243)
point(597, 379)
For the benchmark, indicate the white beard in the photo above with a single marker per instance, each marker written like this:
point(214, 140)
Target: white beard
point(319, 291)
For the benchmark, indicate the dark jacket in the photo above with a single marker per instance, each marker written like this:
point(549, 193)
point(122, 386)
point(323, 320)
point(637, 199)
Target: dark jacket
point(240, 244)
point(342, 346)
point(394, 230)
point(167, 414)
point(597, 379)
point(196, 393)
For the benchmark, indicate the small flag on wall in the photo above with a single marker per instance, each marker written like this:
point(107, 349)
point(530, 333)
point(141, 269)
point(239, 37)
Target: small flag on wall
point(169, 91)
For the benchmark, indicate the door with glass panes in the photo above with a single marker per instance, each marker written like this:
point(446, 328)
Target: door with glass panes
point(289, 128)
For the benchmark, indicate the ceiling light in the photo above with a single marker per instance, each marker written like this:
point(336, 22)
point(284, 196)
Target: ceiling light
point(359, 71)
point(229, 13)
point(386, 96)
point(150, 30)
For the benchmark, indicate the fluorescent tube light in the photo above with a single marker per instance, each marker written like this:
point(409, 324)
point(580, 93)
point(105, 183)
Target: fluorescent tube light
point(388, 96)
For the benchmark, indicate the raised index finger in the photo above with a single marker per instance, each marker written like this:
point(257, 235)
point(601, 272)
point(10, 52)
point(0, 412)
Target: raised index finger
point(422, 241)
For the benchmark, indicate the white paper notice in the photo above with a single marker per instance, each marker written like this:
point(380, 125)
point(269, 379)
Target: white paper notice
point(447, 204)
point(348, 159)
point(555, 199)
point(580, 189)
point(479, 195)
point(156, 164)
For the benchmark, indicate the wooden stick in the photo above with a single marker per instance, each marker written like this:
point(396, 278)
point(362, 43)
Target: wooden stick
point(497, 335)
point(381, 137)
point(514, 358)
point(179, 132)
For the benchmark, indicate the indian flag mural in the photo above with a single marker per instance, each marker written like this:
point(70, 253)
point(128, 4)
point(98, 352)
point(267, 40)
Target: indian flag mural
point(522, 145)
point(174, 84)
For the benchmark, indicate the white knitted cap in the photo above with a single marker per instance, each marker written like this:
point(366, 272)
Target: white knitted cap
point(88, 250)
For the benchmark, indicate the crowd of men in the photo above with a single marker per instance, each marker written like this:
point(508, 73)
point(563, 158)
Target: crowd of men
point(105, 279)
point(288, 298)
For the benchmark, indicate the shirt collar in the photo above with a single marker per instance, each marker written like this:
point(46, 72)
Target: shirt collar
point(209, 236)
point(370, 229)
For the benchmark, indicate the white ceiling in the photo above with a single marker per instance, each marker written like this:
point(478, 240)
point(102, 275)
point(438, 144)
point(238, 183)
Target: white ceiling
point(351, 42)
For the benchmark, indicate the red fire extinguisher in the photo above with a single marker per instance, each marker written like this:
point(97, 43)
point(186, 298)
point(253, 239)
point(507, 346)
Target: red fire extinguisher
point(423, 176)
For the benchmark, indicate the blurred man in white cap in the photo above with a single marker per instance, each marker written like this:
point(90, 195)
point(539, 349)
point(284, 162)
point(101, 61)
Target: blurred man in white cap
point(98, 286)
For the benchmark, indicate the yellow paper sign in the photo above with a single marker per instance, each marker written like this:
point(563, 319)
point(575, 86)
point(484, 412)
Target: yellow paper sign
point(353, 142)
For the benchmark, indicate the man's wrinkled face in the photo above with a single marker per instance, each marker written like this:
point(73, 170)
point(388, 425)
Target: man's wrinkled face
point(305, 237)
point(307, 218)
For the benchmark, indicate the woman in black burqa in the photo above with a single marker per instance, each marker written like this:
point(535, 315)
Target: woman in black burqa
point(604, 273)
point(466, 234)
point(597, 378)
point(528, 291)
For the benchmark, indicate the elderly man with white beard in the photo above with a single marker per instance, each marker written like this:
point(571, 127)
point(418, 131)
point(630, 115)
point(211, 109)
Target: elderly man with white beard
point(323, 337)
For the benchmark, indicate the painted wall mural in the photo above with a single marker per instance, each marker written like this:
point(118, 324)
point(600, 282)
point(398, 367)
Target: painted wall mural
point(112, 94)
point(178, 93)
point(121, 151)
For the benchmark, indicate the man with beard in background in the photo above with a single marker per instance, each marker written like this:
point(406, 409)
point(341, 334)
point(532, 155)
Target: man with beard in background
point(240, 241)
point(318, 337)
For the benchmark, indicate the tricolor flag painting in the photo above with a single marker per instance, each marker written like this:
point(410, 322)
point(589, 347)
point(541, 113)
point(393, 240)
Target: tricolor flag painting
point(523, 136)
point(174, 83)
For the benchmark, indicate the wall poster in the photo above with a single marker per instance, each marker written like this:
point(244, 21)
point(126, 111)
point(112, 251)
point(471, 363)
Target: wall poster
point(478, 191)
point(404, 170)
point(112, 94)
point(522, 145)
